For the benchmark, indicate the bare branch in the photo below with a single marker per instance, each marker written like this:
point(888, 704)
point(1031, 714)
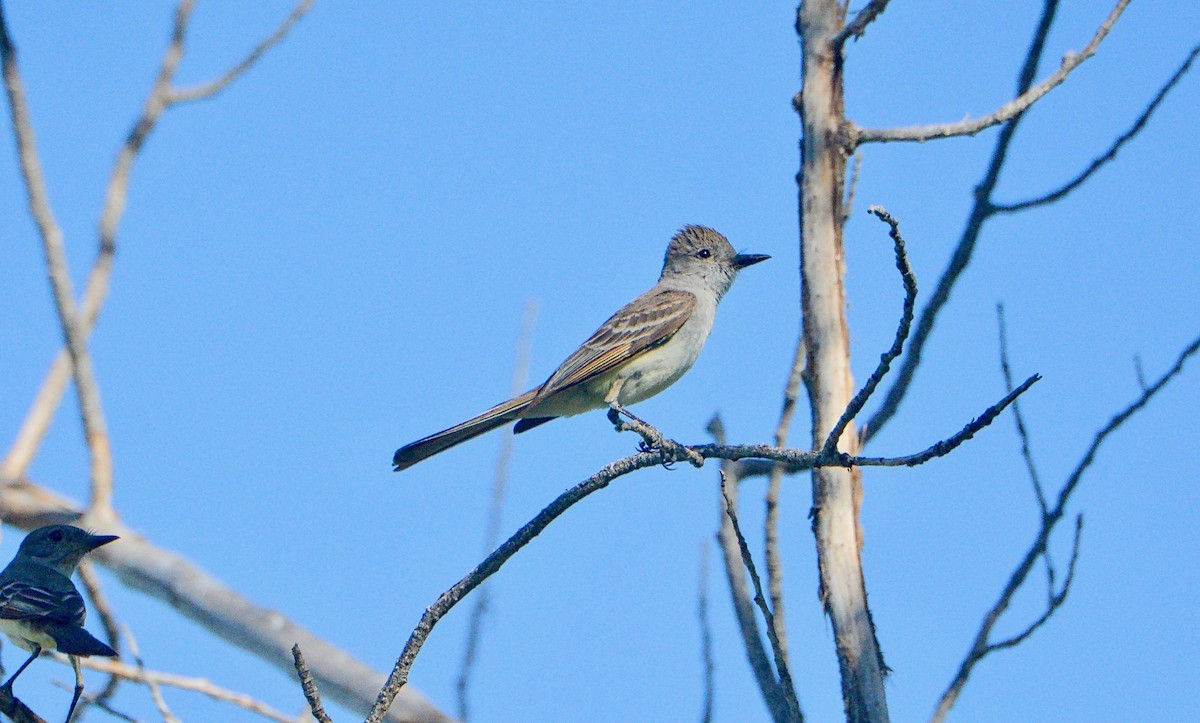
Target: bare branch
point(858, 26)
point(482, 605)
point(92, 414)
point(785, 677)
point(160, 98)
point(208, 90)
point(1109, 154)
point(139, 674)
point(981, 211)
point(946, 446)
point(743, 608)
point(658, 454)
point(791, 393)
point(981, 646)
point(155, 690)
point(1022, 432)
point(1008, 111)
point(902, 330)
point(309, 686)
point(108, 619)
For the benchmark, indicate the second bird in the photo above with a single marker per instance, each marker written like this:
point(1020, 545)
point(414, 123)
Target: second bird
point(640, 351)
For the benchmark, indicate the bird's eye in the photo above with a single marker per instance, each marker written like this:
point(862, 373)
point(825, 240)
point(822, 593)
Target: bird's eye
point(56, 536)
point(704, 253)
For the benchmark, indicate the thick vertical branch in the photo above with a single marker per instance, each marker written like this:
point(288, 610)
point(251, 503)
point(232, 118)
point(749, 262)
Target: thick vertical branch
point(837, 493)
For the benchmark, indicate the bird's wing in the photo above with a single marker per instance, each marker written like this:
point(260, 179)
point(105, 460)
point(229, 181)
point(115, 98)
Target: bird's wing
point(20, 600)
point(648, 321)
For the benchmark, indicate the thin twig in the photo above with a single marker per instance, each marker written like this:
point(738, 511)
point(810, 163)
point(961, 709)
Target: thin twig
point(981, 646)
point(902, 330)
point(207, 90)
point(856, 27)
point(156, 695)
point(482, 605)
point(743, 608)
point(1109, 154)
point(781, 668)
point(1008, 111)
point(980, 212)
point(309, 686)
point(1022, 432)
point(108, 619)
point(791, 393)
point(181, 682)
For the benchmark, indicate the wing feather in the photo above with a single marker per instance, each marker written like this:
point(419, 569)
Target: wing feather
point(646, 322)
point(22, 601)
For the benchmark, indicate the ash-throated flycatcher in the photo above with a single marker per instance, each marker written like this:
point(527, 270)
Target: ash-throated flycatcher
point(640, 351)
point(40, 609)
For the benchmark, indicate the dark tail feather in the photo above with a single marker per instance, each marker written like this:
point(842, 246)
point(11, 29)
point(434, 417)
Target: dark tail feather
point(524, 425)
point(497, 416)
point(74, 640)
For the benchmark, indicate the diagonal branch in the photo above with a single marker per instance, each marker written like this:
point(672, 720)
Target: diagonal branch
point(45, 404)
point(982, 647)
point(650, 458)
point(858, 26)
point(94, 426)
point(981, 211)
point(785, 677)
point(1015, 107)
point(208, 90)
point(743, 608)
point(1109, 154)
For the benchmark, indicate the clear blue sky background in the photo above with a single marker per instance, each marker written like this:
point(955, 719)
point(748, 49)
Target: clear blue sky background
point(331, 259)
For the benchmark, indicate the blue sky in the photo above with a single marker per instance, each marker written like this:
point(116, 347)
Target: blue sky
point(331, 259)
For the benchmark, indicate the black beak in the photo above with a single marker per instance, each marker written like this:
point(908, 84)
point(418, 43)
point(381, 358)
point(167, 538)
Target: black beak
point(99, 540)
point(741, 261)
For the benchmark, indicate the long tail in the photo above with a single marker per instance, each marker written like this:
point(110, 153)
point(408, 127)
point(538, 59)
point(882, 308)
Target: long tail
point(497, 416)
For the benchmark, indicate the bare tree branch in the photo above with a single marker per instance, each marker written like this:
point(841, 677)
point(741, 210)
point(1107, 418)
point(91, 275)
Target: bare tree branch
point(309, 686)
point(156, 695)
point(139, 674)
point(781, 668)
point(482, 605)
point(94, 426)
point(208, 90)
point(902, 330)
point(743, 608)
point(1022, 432)
point(981, 646)
point(112, 629)
point(858, 26)
point(774, 561)
point(161, 97)
point(1109, 154)
point(659, 454)
point(981, 211)
point(1015, 107)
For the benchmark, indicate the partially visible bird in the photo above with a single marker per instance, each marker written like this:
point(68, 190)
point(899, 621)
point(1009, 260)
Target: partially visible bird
point(40, 609)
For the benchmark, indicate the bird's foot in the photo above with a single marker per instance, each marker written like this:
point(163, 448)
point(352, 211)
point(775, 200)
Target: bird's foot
point(652, 439)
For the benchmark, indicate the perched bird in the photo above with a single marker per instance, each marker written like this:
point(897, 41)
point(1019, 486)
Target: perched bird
point(40, 609)
point(640, 351)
